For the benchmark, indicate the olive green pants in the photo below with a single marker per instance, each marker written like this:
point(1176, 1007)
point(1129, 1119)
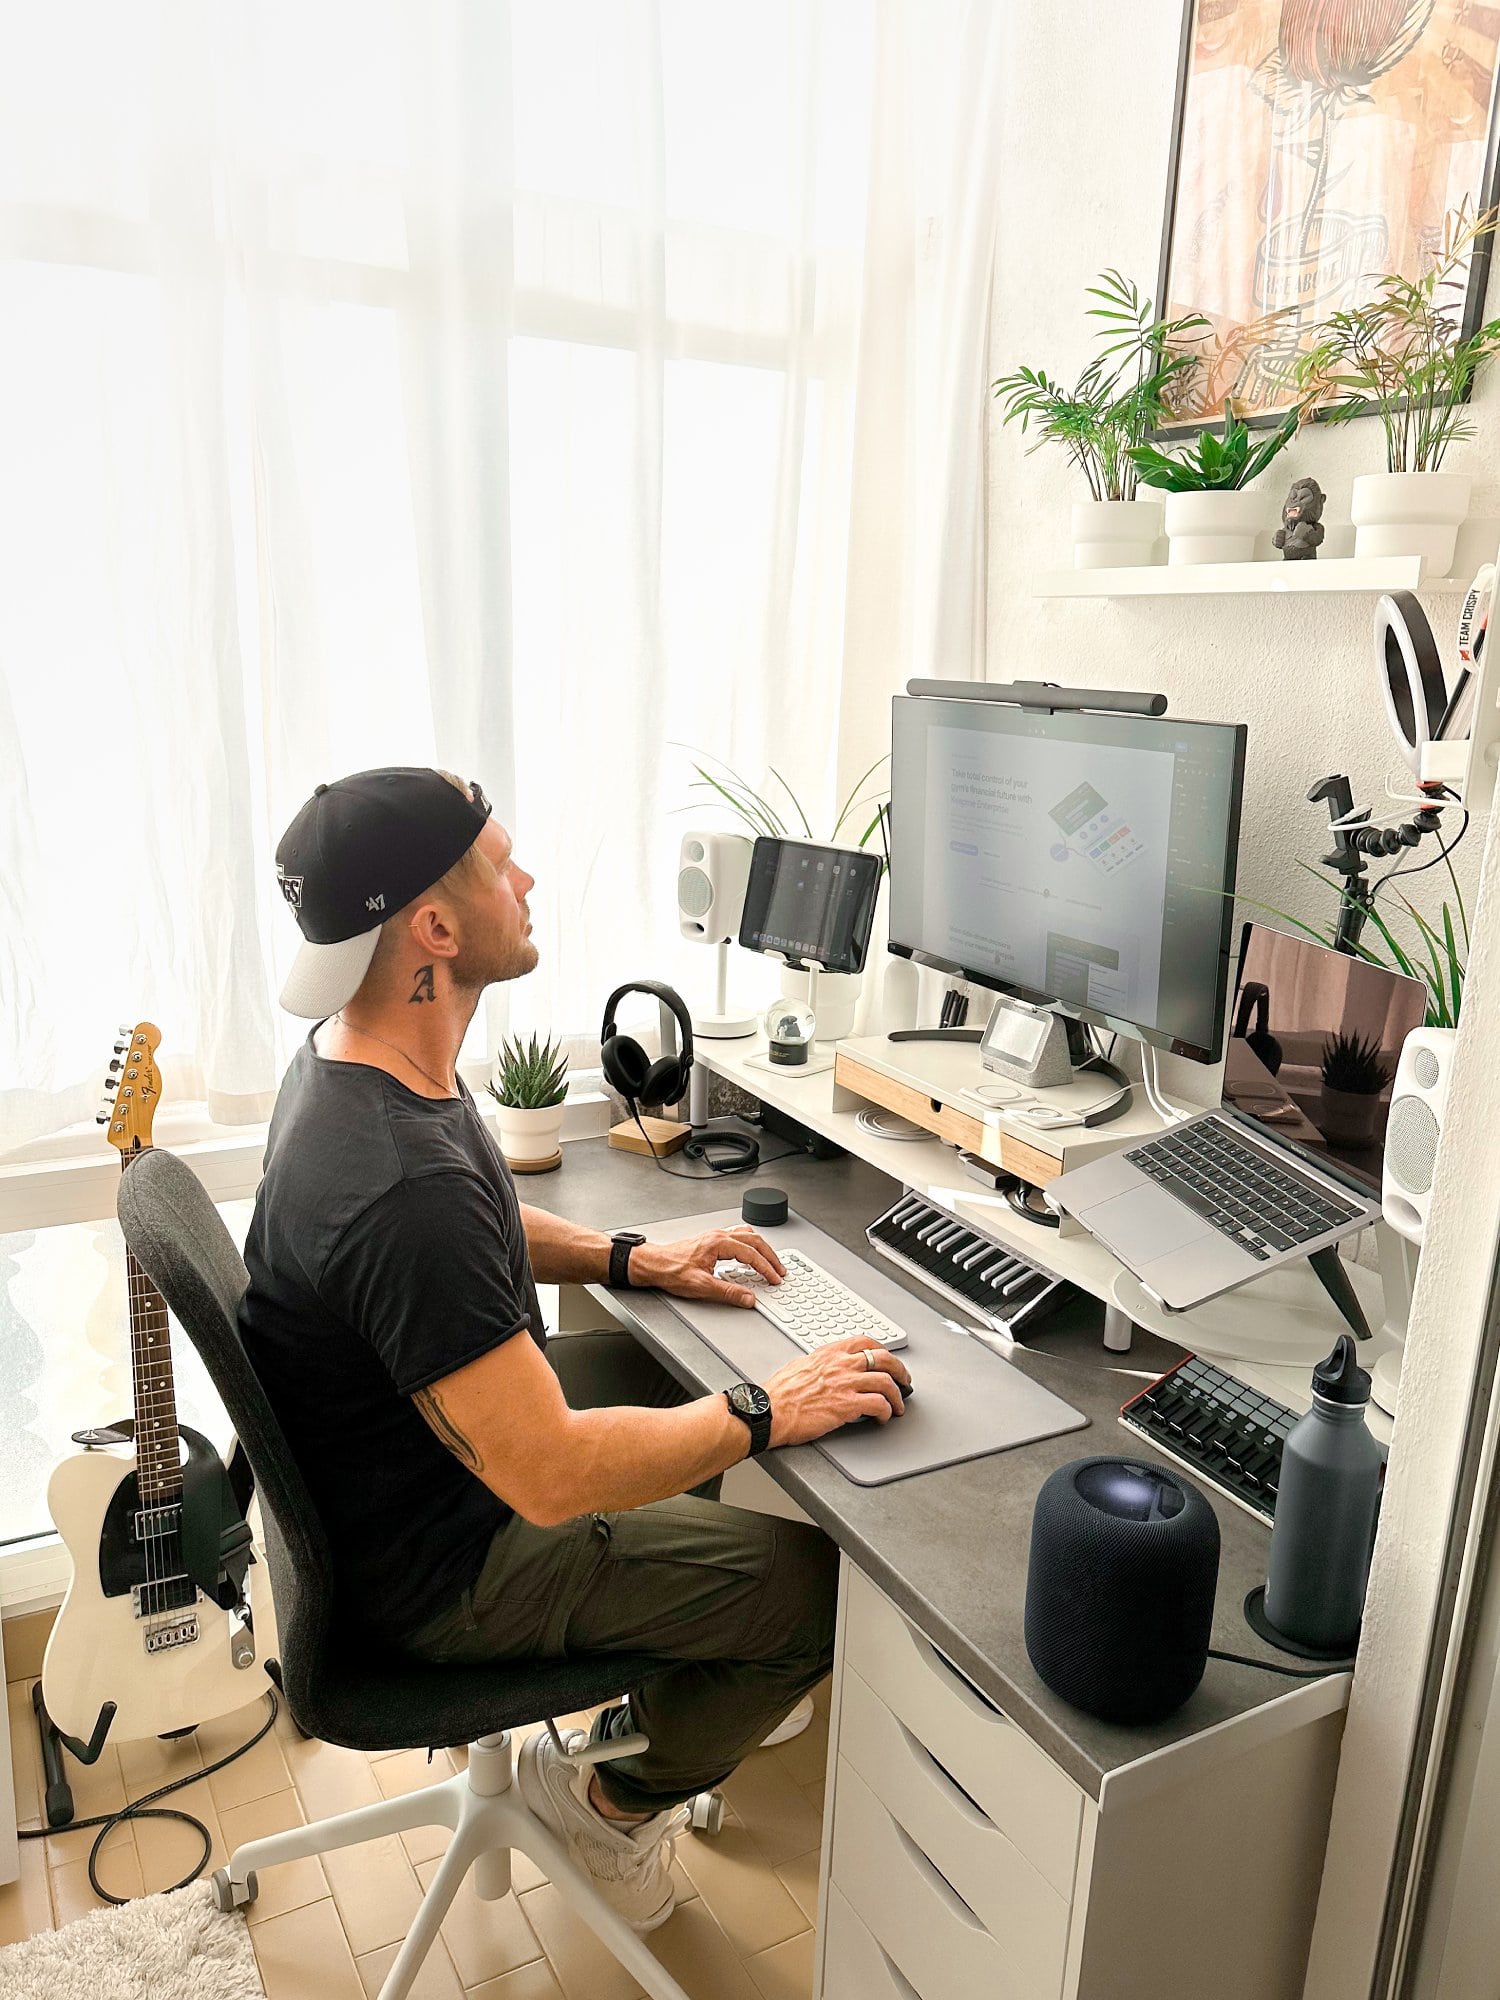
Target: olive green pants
point(745, 1603)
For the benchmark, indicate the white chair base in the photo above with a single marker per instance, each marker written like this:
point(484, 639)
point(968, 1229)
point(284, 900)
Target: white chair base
point(488, 1817)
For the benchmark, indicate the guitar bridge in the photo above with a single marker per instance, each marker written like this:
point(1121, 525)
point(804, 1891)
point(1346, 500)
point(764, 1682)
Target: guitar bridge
point(181, 1632)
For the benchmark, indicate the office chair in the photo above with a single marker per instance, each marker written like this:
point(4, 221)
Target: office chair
point(336, 1687)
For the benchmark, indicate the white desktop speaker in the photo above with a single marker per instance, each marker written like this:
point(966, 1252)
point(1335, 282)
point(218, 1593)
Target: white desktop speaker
point(1411, 1134)
point(713, 872)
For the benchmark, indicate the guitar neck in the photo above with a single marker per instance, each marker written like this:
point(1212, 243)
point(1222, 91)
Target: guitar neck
point(157, 1456)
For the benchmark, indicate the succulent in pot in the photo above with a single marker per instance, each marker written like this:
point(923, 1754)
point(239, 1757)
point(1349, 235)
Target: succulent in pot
point(1211, 517)
point(530, 1087)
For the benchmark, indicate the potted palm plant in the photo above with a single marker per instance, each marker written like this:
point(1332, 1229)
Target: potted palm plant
point(1354, 1075)
point(1212, 515)
point(1117, 402)
point(1403, 356)
point(530, 1086)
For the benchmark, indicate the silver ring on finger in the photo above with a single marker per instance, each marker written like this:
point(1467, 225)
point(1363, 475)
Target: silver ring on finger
point(869, 1359)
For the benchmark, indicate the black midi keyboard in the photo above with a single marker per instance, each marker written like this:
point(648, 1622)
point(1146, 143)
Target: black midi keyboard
point(991, 1280)
point(1226, 1433)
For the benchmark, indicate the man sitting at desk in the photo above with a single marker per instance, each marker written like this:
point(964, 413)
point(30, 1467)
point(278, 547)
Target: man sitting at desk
point(490, 1497)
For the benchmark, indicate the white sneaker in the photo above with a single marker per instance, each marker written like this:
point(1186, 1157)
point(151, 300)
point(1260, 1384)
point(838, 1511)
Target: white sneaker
point(631, 1866)
point(790, 1725)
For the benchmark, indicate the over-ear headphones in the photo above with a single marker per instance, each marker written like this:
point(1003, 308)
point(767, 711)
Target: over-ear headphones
point(626, 1065)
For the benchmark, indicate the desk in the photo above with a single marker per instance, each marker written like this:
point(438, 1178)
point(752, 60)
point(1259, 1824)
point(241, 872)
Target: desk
point(1195, 1848)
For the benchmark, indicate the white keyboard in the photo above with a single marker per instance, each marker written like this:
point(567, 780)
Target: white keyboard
point(811, 1306)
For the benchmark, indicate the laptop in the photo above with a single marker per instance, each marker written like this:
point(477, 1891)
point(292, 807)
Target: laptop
point(1291, 1162)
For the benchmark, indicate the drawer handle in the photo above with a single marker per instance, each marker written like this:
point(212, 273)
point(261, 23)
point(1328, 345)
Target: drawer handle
point(952, 1792)
point(936, 1880)
point(901, 1986)
point(963, 1687)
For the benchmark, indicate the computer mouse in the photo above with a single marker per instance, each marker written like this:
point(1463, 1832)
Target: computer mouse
point(908, 1390)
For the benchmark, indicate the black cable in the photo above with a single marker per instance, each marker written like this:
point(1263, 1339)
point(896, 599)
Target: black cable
point(147, 1808)
point(1421, 867)
point(715, 1172)
point(1274, 1667)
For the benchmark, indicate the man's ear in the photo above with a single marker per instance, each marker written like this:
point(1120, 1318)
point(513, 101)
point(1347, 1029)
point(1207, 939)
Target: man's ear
point(432, 931)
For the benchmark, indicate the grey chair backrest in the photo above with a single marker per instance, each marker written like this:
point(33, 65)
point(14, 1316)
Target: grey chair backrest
point(180, 1241)
point(340, 1682)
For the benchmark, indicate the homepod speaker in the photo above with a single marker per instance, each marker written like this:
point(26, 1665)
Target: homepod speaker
point(1411, 1131)
point(1120, 1589)
point(713, 870)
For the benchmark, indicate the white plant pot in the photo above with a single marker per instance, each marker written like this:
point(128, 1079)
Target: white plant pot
point(528, 1137)
point(1115, 534)
point(1410, 514)
point(1214, 527)
point(838, 997)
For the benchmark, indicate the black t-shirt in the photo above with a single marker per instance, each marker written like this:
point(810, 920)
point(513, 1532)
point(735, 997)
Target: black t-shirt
point(386, 1251)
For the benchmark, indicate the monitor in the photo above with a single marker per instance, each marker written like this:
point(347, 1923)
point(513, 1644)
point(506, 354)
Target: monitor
point(1080, 858)
point(1314, 1039)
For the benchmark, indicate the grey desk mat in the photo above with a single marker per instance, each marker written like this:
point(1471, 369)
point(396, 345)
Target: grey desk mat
point(969, 1401)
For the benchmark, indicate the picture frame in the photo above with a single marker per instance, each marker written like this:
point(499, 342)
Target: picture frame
point(1317, 144)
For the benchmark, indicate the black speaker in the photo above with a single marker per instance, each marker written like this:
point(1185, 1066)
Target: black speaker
point(1120, 1592)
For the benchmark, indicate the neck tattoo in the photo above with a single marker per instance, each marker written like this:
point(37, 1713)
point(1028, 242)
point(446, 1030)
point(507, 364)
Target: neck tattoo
point(423, 987)
point(448, 1090)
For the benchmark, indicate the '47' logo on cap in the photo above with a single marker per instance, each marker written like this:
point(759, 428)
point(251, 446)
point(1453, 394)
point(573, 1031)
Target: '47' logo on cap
point(291, 887)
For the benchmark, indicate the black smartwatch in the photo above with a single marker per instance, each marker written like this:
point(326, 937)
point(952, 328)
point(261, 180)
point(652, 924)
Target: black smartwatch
point(752, 1406)
point(620, 1247)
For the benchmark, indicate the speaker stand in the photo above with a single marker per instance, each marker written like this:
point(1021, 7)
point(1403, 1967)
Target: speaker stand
point(1398, 1271)
point(722, 1025)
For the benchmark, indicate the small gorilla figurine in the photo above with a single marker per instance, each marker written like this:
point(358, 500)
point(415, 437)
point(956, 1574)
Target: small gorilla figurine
point(1302, 522)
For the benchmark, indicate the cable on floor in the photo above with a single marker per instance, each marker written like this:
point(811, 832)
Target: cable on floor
point(147, 1808)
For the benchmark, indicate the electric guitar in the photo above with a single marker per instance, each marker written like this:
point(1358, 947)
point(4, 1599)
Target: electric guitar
point(138, 1645)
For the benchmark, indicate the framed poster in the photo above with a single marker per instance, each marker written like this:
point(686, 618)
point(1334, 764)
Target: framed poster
point(1317, 144)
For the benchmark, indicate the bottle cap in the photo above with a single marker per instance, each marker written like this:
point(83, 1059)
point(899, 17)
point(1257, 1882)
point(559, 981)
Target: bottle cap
point(764, 1206)
point(1340, 1379)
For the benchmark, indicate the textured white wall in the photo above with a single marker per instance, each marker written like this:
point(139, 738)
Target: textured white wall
point(1089, 116)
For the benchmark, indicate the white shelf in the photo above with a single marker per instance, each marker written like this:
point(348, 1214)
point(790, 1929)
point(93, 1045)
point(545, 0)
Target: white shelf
point(1267, 579)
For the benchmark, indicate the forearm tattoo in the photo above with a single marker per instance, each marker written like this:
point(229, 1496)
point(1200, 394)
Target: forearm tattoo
point(445, 1430)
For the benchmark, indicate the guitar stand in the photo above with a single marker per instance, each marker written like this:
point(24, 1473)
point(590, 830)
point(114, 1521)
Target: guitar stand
point(59, 1794)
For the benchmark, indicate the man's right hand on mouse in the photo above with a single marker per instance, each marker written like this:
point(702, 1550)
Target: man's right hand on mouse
point(835, 1385)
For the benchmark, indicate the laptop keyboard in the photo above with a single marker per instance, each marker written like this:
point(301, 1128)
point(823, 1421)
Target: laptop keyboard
point(1242, 1192)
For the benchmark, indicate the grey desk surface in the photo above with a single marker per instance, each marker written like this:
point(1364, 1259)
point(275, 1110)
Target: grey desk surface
point(950, 1547)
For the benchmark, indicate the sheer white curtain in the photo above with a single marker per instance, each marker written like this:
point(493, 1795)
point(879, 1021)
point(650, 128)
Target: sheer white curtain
point(527, 388)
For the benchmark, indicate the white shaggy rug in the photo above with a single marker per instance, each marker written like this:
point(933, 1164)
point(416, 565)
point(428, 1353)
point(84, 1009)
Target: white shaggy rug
point(173, 1947)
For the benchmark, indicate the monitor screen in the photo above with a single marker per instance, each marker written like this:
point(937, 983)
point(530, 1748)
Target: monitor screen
point(1314, 1039)
point(1087, 859)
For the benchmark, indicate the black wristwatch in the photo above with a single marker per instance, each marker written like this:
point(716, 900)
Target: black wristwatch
point(752, 1406)
point(620, 1247)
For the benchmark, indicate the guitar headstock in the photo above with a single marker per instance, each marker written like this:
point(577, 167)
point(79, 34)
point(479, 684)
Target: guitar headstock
point(136, 1085)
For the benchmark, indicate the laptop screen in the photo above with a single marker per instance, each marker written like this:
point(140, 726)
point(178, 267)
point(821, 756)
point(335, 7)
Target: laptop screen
point(1313, 1044)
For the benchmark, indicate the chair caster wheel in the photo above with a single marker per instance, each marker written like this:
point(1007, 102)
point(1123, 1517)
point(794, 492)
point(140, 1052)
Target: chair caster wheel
point(706, 1812)
point(228, 1898)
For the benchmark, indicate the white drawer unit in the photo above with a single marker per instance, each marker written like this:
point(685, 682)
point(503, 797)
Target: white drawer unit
point(960, 1863)
point(1021, 1791)
point(1013, 1901)
point(937, 1942)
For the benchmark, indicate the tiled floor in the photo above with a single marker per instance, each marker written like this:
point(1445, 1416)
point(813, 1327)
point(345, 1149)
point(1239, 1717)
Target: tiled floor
point(328, 1929)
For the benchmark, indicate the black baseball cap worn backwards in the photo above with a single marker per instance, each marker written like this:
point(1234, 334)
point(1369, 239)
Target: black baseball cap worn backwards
point(358, 851)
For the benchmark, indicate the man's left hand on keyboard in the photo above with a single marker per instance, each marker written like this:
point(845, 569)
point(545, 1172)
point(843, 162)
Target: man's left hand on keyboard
point(687, 1267)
